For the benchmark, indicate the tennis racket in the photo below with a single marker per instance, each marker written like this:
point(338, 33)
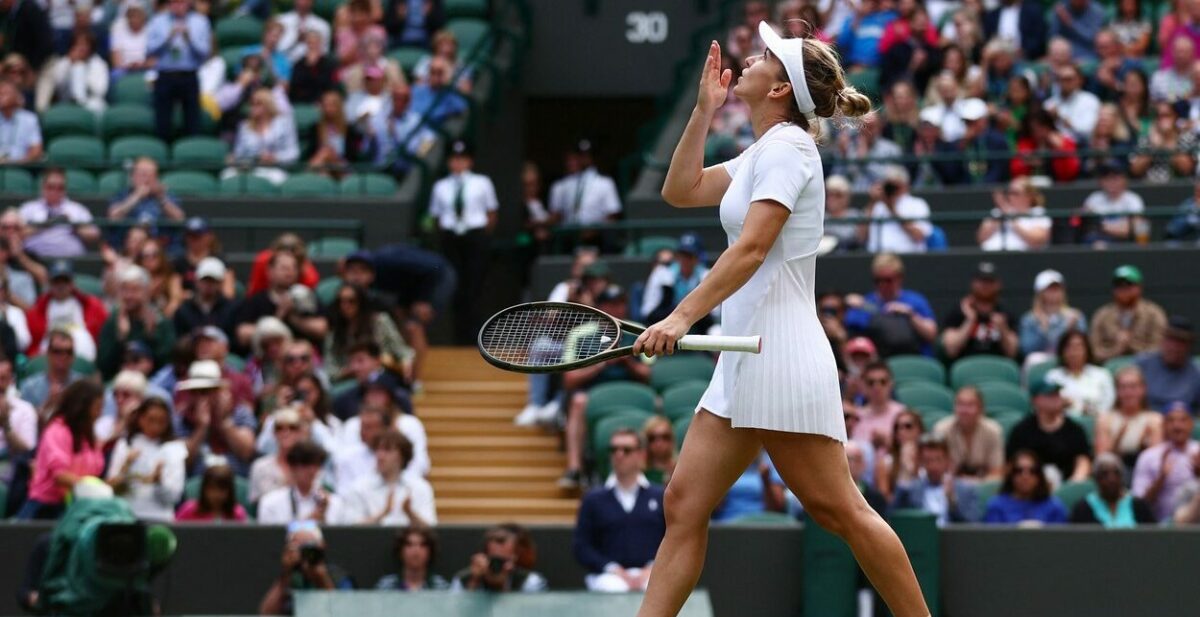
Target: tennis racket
point(551, 337)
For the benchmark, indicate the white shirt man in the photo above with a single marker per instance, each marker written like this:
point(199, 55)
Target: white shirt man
point(463, 202)
point(1007, 239)
point(354, 458)
point(59, 240)
point(585, 198)
point(1078, 111)
point(388, 496)
point(295, 24)
point(890, 236)
point(284, 505)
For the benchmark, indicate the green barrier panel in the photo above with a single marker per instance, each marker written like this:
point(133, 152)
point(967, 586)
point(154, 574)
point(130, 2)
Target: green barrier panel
point(470, 604)
point(830, 575)
point(919, 533)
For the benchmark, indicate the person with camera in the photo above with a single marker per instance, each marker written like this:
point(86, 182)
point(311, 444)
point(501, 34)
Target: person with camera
point(303, 499)
point(304, 568)
point(900, 221)
point(494, 568)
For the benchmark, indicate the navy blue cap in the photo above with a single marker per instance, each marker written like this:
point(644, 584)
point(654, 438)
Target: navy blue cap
point(690, 243)
point(361, 256)
point(137, 349)
point(196, 225)
point(61, 268)
point(460, 148)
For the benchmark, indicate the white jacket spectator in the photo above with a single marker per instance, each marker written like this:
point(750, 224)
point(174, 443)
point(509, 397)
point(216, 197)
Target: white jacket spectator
point(387, 495)
point(303, 498)
point(18, 419)
point(898, 236)
point(1077, 109)
point(148, 468)
point(354, 458)
point(80, 77)
point(297, 22)
point(73, 221)
point(127, 41)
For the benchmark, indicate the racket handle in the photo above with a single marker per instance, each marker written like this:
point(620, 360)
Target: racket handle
point(703, 342)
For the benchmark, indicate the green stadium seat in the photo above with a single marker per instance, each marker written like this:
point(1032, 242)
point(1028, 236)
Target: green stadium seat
point(1008, 422)
point(239, 289)
point(111, 182)
point(611, 396)
point(207, 153)
point(238, 32)
point(766, 519)
point(472, 34)
point(195, 183)
point(830, 574)
point(670, 370)
point(408, 57)
point(984, 491)
point(907, 368)
point(305, 115)
point(246, 184)
point(620, 419)
point(16, 181)
point(233, 61)
point(308, 185)
point(1089, 426)
point(867, 82)
point(327, 290)
point(465, 8)
point(62, 120)
point(332, 247)
point(89, 284)
point(648, 246)
point(999, 411)
point(1004, 394)
point(1116, 364)
point(975, 370)
point(680, 400)
point(124, 150)
point(122, 120)
point(931, 416)
point(3, 500)
point(925, 396)
point(1072, 491)
point(76, 151)
point(1038, 371)
point(80, 182)
point(132, 89)
point(369, 185)
point(680, 428)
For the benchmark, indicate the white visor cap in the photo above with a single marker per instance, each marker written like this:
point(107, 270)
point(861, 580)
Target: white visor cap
point(791, 53)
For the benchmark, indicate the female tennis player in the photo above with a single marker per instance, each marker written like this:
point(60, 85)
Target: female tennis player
point(786, 399)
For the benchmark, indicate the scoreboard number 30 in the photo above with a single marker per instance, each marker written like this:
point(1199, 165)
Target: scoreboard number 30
point(646, 27)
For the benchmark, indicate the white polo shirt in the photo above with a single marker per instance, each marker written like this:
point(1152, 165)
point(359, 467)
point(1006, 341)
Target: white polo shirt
point(369, 495)
point(585, 198)
point(478, 199)
point(284, 505)
point(889, 236)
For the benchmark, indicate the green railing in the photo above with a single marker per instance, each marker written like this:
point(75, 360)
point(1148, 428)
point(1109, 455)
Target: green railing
point(254, 228)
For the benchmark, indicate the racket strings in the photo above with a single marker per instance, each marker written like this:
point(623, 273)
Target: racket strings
point(548, 336)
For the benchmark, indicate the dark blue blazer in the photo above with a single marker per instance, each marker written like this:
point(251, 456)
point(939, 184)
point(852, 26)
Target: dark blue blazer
point(605, 533)
point(957, 172)
point(1032, 23)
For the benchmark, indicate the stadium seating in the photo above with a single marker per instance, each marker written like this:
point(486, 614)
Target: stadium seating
point(975, 370)
point(407, 57)
point(926, 396)
point(1072, 491)
point(1003, 394)
point(132, 89)
point(332, 247)
point(199, 152)
point(112, 181)
point(680, 400)
point(17, 181)
point(241, 490)
point(607, 397)
point(327, 289)
point(76, 150)
point(89, 284)
point(62, 120)
point(680, 427)
point(472, 34)
point(772, 519)
point(37, 365)
point(80, 181)
point(909, 368)
point(670, 370)
point(465, 8)
point(648, 246)
point(367, 185)
point(238, 32)
point(308, 185)
point(1118, 363)
point(931, 416)
point(126, 119)
point(1038, 371)
point(123, 150)
point(620, 418)
point(246, 184)
point(984, 491)
point(190, 183)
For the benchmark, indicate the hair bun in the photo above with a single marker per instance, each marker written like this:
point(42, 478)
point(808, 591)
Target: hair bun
point(851, 103)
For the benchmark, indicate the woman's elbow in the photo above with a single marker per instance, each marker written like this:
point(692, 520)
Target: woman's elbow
point(675, 197)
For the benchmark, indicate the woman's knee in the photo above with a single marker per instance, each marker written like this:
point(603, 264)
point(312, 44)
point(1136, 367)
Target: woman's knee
point(839, 517)
point(682, 507)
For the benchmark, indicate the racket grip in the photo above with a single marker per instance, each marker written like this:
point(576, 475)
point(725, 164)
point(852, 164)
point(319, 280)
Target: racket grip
point(704, 342)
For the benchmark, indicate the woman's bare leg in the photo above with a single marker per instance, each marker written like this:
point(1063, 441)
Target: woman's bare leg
point(815, 468)
point(714, 456)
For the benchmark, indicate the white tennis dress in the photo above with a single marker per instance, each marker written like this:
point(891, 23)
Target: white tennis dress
point(793, 384)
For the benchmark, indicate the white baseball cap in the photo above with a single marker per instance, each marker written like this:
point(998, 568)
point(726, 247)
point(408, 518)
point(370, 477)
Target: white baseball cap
point(791, 53)
point(932, 115)
point(1046, 278)
point(210, 268)
point(972, 109)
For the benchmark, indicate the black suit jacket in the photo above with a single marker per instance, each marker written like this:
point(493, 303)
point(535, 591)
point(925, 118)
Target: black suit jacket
point(1032, 23)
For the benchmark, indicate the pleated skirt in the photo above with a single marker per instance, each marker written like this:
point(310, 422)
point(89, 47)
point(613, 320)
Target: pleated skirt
point(792, 385)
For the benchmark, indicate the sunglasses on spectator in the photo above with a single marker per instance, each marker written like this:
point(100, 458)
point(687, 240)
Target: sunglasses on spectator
point(626, 450)
point(1023, 469)
point(294, 358)
point(652, 437)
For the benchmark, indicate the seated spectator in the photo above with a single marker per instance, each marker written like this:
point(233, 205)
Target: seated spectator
point(233, 98)
point(394, 137)
point(78, 78)
point(290, 242)
point(25, 143)
point(1173, 82)
point(270, 471)
point(980, 324)
point(25, 274)
point(207, 306)
point(670, 282)
point(297, 25)
point(145, 200)
point(759, 489)
point(985, 150)
point(371, 50)
point(1134, 103)
point(352, 320)
point(445, 46)
point(1113, 62)
point(388, 496)
point(266, 139)
point(900, 220)
point(303, 498)
point(366, 366)
point(217, 500)
point(211, 421)
point(369, 105)
point(43, 390)
point(858, 353)
point(19, 421)
point(67, 452)
point(335, 142)
point(862, 155)
point(285, 299)
point(861, 36)
point(1021, 22)
point(135, 319)
point(129, 389)
point(831, 310)
point(16, 68)
point(898, 463)
point(1075, 109)
point(1130, 324)
point(1078, 21)
point(1111, 139)
point(897, 320)
point(620, 526)
point(437, 99)
point(929, 144)
point(1163, 470)
point(1018, 222)
point(577, 382)
point(878, 413)
point(354, 456)
point(946, 108)
point(1038, 134)
point(1131, 28)
point(857, 457)
point(1086, 388)
point(1110, 203)
point(661, 454)
point(265, 363)
point(494, 568)
point(1171, 376)
point(1131, 426)
point(909, 47)
point(1186, 224)
point(312, 72)
point(1010, 111)
point(14, 328)
point(127, 41)
point(62, 227)
point(415, 552)
point(210, 343)
point(78, 315)
point(199, 244)
point(304, 568)
point(147, 467)
point(1164, 151)
point(412, 23)
point(1057, 440)
point(975, 443)
point(936, 490)
point(166, 285)
point(309, 398)
point(360, 24)
point(1111, 505)
point(849, 233)
point(274, 56)
point(1025, 498)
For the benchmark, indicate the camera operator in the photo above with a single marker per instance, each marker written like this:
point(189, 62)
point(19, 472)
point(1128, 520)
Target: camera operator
point(304, 568)
point(900, 221)
point(495, 569)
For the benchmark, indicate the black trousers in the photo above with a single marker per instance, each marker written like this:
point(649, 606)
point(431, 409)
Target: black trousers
point(468, 254)
point(173, 87)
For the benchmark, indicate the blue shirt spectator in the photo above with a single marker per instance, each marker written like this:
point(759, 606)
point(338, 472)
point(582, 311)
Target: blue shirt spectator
point(437, 100)
point(1170, 375)
point(956, 503)
point(144, 202)
point(1009, 509)
point(20, 134)
point(1078, 21)
point(897, 320)
point(179, 40)
point(860, 38)
point(759, 487)
point(280, 63)
point(1186, 224)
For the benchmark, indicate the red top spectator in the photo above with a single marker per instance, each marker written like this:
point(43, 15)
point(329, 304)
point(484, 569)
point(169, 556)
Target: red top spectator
point(1038, 135)
point(900, 30)
point(62, 293)
point(309, 277)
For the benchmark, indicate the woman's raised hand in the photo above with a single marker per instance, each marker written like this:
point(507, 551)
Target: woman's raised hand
point(714, 82)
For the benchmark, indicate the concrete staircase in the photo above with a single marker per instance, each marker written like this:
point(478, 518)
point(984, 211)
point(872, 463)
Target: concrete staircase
point(485, 470)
